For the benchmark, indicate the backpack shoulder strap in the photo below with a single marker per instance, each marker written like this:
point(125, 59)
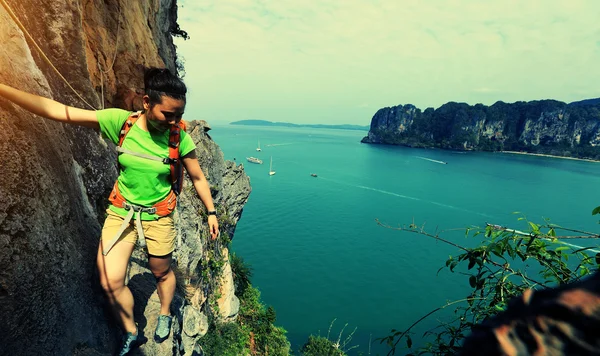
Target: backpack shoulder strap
point(176, 164)
point(127, 125)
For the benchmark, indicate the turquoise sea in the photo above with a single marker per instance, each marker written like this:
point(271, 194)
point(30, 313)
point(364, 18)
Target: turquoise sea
point(318, 254)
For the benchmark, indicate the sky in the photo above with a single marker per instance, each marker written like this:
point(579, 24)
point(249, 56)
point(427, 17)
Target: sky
point(339, 61)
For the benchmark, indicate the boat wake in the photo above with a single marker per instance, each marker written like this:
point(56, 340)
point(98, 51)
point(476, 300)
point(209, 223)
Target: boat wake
point(431, 160)
point(407, 197)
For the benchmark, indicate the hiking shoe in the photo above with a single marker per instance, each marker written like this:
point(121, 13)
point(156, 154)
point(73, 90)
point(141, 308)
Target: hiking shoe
point(129, 341)
point(163, 328)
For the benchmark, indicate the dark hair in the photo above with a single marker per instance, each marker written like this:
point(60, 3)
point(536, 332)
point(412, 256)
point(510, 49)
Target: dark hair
point(159, 82)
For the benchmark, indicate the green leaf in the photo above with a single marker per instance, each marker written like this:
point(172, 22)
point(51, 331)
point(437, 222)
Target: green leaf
point(598, 258)
point(497, 250)
point(452, 265)
point(534, 227)
point(596, 210)
point(472, 262)
point(473, 281)
point(511, 251)
point(552, 232)
point(408, 341)
point(562, 248)
point(520, 242)
point(488, 231)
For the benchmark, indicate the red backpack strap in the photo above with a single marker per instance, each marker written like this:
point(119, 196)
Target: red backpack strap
point(176, 164)
point(127, 125)
point(115, 196)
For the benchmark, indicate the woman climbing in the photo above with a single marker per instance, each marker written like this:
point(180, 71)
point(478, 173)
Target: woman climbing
point(152, 151)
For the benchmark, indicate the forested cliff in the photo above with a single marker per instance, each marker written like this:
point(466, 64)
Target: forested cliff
point(546, 126)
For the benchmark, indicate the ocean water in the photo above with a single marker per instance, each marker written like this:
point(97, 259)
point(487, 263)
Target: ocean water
point(320, 258)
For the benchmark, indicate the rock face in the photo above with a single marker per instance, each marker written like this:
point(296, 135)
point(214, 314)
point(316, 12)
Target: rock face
point(546, 126)
point(56, 179)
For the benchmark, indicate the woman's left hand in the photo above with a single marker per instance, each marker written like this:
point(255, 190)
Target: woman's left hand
point(213, 227)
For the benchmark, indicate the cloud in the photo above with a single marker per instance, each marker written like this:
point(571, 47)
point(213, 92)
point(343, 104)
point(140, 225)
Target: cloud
point(325, 56)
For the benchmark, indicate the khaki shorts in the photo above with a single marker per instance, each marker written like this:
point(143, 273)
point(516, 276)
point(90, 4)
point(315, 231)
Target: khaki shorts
point(160, 234)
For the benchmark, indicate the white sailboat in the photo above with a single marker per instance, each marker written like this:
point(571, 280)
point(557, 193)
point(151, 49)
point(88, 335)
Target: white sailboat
point(271, 171)
point(258, 148)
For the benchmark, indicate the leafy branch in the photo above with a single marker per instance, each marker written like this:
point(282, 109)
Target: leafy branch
point(492, 279)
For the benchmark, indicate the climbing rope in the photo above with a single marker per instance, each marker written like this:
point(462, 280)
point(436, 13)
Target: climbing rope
point(22, 27)
point(116, 43)
point(105, 72)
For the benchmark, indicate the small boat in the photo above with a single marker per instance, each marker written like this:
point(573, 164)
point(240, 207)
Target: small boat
point(258, 148)
point(313, 174)
point(254, 160)
point(271, 171)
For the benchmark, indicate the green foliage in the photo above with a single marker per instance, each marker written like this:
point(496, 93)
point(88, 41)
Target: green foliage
point(225, 339)
point(503, 266)
point(257, 321)
point(209, 271)
point(320, 346)
point(254, 333)
point(242, 273)
point(268, 338)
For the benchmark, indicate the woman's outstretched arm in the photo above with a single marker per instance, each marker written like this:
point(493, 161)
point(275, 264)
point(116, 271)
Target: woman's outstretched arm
point(49, 108)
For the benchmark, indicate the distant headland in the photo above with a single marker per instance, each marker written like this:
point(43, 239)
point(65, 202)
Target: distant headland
point(287, 124)
point(542, 127)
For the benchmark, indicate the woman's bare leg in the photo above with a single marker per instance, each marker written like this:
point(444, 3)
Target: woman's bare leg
point(165, 280)
point(113, 268)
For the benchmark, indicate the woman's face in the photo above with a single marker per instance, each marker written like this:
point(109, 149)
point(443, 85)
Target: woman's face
point(161, 116)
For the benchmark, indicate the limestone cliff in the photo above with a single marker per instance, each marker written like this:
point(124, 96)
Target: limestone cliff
point(56, 179)
point(546, 126)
